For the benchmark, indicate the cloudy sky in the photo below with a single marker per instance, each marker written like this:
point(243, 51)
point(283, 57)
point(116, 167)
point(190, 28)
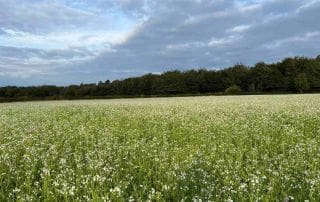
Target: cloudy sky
point(73, 41)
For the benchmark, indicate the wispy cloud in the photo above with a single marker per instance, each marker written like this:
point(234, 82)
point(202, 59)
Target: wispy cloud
point(239, 28)
point(309, 36)
point(218, 42)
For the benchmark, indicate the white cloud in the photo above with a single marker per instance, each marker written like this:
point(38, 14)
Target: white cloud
point(184, 46)
point(239, 28)
point(191, 20)
point(219, 42)
point(63, 39)
point(248, 7)
point(307, 5)
point(300, 38)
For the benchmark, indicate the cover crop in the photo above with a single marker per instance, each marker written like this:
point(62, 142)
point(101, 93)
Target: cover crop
point(232, 148)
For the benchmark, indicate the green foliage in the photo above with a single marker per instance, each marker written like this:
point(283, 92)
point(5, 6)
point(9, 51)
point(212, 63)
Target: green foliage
point(234, 89)
point(301, 82)
point(266, 78)
point(278, 77)
point(239, 148)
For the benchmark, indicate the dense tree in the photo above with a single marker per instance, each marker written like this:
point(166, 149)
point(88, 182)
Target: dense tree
point(173, 82)
point(265, 77)
point(301, 82)
point(237, 75)
point(312, 70)
point(234, 89)
point(297, 74)
point(290, 69)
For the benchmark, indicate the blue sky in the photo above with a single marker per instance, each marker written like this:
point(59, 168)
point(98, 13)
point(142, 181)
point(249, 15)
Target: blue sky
point(72, 41)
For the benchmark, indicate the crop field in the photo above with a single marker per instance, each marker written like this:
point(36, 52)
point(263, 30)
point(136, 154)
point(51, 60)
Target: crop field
point(228, 148)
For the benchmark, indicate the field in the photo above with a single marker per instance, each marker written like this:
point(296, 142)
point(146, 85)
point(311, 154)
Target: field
point(228, 148)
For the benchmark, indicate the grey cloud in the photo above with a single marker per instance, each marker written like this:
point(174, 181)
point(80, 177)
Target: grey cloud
point(40, 17)
point(272, 20)
point(191, 34)
point(26, 53)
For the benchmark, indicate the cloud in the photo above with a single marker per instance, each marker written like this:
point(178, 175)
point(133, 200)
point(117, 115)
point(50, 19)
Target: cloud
point(249, 8)
point(309, 36)
point(239, 28)
point(218, 42)
point(63, 39)
point(85, 41)
point(308, 5)
point(40, 16)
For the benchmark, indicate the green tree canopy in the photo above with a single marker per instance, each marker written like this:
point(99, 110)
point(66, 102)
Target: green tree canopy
point(301, 82)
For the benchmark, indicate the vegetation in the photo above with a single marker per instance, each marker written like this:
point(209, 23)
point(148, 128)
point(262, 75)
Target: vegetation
point(234, 89)
point(301, 82)
point(240, 148)
point(290, 75)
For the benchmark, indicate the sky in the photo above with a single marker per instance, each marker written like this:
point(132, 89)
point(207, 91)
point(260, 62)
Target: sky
point(62, 42)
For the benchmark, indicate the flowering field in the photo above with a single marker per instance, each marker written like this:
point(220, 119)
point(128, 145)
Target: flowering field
point(240, 148)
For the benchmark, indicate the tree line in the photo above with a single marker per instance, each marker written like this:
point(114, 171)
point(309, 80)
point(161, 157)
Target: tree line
point(298, 74)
